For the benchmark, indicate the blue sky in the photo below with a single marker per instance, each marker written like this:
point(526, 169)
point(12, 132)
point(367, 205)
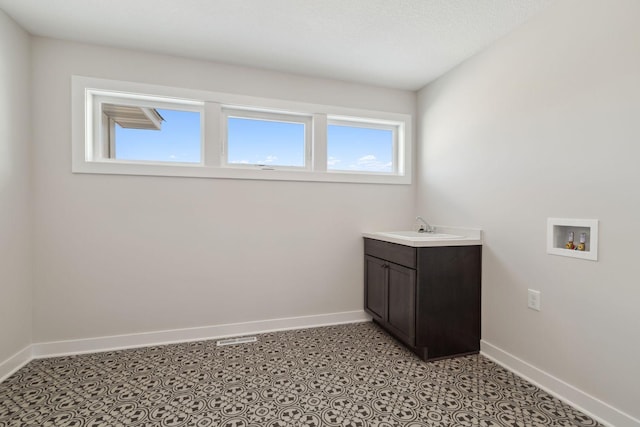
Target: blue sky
point(262, 142)
point(178, 141)
point(359, 149)
point(253, 141)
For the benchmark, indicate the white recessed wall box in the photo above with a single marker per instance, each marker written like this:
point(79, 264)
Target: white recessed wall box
point(576, 238)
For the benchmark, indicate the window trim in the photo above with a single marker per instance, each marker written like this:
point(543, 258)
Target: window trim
point(212, 133)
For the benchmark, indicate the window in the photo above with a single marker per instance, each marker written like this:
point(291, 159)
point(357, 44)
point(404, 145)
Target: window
point(267, 140)
point(136, 129)
point(361, 146)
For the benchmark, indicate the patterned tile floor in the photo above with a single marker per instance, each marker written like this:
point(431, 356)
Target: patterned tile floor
point(348, 375)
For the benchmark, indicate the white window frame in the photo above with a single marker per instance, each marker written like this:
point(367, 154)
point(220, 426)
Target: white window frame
point(85, 91)
point(271, 116)
point(397, 133)
point(102, 140)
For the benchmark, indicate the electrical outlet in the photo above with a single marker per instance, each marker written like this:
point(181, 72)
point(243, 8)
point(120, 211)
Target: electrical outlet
point(533, 300)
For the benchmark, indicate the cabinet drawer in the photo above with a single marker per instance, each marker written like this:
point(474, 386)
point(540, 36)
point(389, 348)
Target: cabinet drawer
point(399, 254)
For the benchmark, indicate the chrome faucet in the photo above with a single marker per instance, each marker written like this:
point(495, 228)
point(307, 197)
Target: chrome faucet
point(425, 227)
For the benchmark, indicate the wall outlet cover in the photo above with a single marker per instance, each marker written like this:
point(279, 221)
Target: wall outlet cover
point(533, 299)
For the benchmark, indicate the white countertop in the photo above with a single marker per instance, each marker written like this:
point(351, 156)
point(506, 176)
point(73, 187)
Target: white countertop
point(443, 236)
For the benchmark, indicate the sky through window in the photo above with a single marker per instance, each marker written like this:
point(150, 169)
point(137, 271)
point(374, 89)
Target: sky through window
point(177, 141)
point(361, 149)
point(265, 142)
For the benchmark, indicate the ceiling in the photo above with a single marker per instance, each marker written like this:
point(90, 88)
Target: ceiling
point(401, 44)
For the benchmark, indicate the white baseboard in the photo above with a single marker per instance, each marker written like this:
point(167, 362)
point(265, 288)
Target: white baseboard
point(15, 362)
point(119, 342)
point(589, 405)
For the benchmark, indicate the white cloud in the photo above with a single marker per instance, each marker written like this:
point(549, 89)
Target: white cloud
point(332, 161)
point(372, 164)
point(270, 159)
point(367, 159)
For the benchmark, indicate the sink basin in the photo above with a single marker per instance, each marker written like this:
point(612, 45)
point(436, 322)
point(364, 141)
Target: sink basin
point(417, 236)
point(446, 236)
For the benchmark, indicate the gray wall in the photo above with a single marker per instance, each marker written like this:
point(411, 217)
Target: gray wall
point(15, 194)
point(542, 124)
point(546, 123)
point(127, 254)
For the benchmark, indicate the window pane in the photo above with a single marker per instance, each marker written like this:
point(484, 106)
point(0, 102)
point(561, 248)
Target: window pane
point(160, 136)
point(352, 148)
point(265, 142)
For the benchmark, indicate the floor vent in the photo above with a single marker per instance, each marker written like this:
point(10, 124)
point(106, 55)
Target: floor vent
point(234, 341)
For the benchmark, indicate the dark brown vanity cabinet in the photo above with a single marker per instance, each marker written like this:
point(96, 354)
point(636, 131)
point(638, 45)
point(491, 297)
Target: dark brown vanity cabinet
point(428, 298)
point(390, 296)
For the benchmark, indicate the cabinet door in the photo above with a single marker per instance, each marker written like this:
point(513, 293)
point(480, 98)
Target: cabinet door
point(375, 278)
point(401, 302)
